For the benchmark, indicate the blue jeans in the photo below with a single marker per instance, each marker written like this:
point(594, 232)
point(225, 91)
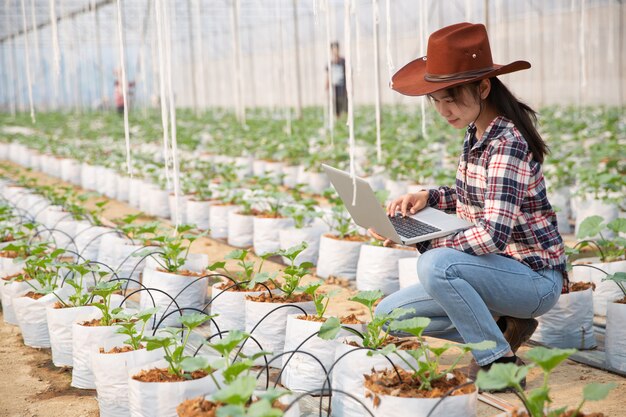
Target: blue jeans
point(462, 293)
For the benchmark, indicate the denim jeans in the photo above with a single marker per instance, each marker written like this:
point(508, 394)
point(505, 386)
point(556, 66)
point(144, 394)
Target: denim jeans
point(462, 293)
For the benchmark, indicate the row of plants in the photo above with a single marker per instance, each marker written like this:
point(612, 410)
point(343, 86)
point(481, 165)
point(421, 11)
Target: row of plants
point(225, 380)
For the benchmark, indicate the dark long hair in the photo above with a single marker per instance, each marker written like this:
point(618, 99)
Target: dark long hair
point(522, 115)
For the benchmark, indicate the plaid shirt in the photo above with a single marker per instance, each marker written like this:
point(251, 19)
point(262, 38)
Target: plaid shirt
point(501, 189)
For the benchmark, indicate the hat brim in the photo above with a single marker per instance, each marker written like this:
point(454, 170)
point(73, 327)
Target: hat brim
point(409, 80)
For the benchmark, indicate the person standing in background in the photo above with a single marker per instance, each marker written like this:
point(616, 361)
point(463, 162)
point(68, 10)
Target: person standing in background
point(337, 79)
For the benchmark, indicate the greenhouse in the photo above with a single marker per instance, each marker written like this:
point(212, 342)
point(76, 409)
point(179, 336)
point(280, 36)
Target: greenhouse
point(342, 208)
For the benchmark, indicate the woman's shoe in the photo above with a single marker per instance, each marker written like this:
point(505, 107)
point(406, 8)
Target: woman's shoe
point(517, 331)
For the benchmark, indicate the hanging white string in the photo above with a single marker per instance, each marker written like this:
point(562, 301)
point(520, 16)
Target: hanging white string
point(611, 44)
point(56, 50)
point(349, 90)
point(390, 66)
point(315, 12)
point(358, 37)
point(13, 77)
point(240, 109)
point(422, 36)
point(171, 99)
point(36, 31)
point(120, 35)
point(27, 54)
point(331, 88)
point(468, 10)
point(583, 58)
point(379, 150)
point(200, 45)
point(163, 98)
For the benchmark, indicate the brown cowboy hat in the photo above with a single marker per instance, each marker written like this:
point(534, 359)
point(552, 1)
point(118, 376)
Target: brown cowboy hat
point(456, 54)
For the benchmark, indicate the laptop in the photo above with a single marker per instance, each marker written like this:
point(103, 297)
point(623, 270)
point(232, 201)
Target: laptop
point(428, 223)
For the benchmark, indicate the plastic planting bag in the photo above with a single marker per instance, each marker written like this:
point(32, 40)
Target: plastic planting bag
point(270, 332)
point(84, 340)
point(240, 230)
point(229, 308)
point(301, 372)
point(160, 399)
point(31, 317)
point(218, 220)
point(60, 322)
point(615, 336)
point(338, 258)
point(311, 235)
point(111, 374)
point(198, 213)
point(407, 271)
point(9, 291)
point(606, 291)
point(452, 406)
point(569, 324)
point(377, 268)
point(347, 376)
point(188, 292)
point(265, 235)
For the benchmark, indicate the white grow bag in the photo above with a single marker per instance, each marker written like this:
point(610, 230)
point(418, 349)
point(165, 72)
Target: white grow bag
point(198, 213)
point(9, 292)
point(569, 324)
point(218, 220)
point(228, 307)
point(407, 271)
point(111, 375)
point(188, 292)
point(88, 239)
point(31, 317)
point(301, 372)
point(240, 230)
point(453, 406)
point(615, 336)
point(160, 399)
point(290, 179)
point(338, 258)
point(377, 268)
point(347, 376)
point(311, 235)
point(84, 340)
point(270, 333)
point(318, 182)
point(265, 237)
point(60, 322)
point(606, 291)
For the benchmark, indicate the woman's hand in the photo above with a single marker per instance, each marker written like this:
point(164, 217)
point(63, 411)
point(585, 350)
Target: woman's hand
point(408, 204)
point(386, 242)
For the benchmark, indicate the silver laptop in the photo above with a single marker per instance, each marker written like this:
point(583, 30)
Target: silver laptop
point(426, 224)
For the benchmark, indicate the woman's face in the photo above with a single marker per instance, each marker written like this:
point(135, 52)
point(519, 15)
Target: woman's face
point(459, 111)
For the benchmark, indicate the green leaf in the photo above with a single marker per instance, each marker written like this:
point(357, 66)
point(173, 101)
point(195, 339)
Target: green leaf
point(501, 375)
point(330, 329)
point(237, 392)
point(596, 391)
point(194, 363)
point(193, 320)
point(225, 345)
point(235, 369)
point(145, 315)
point(217, 265)
point(617, 225)
point(263, 408)
point(414, 326)
point(590, 227)
point(548, 359)
point(618, 277)
point(231, 411)
point(538, 400)
point(367, 298)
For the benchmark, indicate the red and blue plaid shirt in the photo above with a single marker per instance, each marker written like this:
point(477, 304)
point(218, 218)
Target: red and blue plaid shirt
point(500, 189)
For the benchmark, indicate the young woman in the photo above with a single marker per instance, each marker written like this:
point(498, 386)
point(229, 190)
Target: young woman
point(487, 282)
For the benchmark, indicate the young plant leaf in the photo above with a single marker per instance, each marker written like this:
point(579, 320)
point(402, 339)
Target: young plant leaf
point(548, 359)
point(330, 329)
point(597, 392)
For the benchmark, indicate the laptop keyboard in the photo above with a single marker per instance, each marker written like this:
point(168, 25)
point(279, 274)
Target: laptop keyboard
point(409, 227)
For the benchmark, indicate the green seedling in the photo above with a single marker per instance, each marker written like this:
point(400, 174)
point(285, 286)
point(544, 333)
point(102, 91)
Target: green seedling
point(128, 325)
point(537, 401)
point(248, 274)
point(173, 341)
point(104, 290)
point(609, 249)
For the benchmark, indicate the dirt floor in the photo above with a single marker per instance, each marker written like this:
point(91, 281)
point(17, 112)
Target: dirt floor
point(31, 386)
